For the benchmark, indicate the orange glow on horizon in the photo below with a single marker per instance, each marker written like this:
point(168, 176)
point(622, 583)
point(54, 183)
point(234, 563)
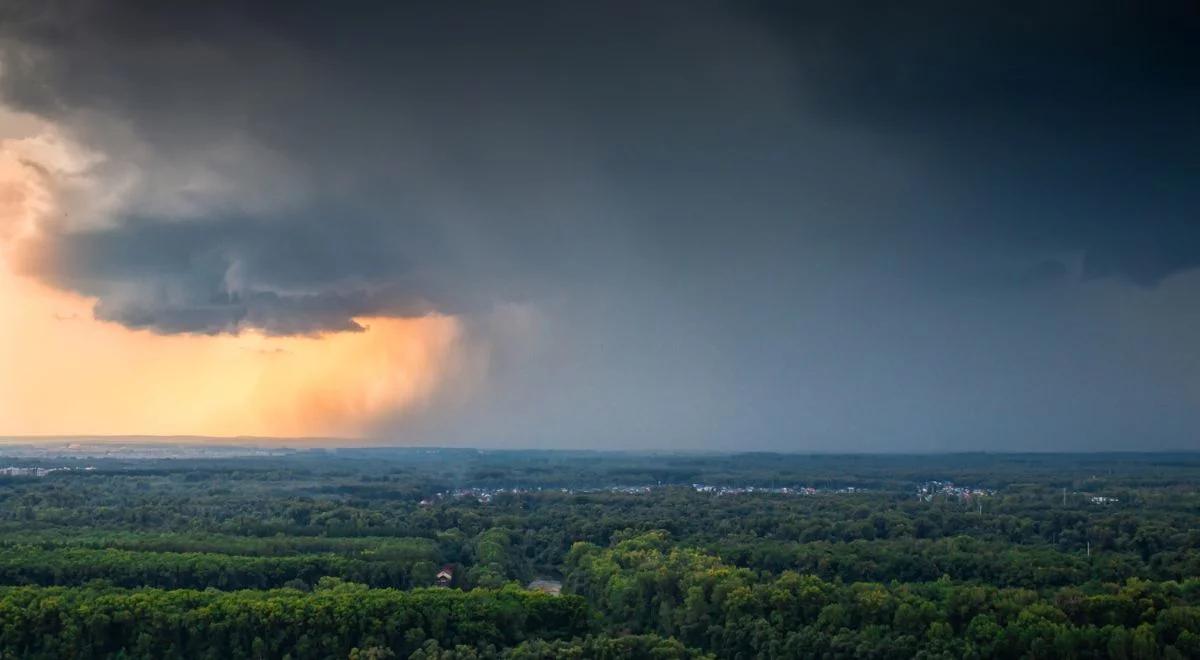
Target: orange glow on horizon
point(64, 373)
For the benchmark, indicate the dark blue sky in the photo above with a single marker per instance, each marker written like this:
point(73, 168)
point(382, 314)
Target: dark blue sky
point(772, 225)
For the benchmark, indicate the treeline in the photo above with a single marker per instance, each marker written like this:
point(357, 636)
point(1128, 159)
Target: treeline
point(852, 537)
point(495, 557)
point(644, 585)
point(961, 558)
point(382, 499)
point(378, 547)
point(351, 514)
point(197, 570)
point(266, 512)
point(598, 647)
point(335, 621)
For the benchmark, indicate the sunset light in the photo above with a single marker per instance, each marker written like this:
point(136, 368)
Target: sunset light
point(66, 373)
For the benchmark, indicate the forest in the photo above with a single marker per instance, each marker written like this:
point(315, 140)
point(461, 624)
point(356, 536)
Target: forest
point(454, 553)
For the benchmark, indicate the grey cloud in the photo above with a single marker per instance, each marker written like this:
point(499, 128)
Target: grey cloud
point(1074, 121)
point(467, 159)
point(268, 311)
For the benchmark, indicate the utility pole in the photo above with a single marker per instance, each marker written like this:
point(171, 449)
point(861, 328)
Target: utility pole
point(1089, 548)
point(1064, 495)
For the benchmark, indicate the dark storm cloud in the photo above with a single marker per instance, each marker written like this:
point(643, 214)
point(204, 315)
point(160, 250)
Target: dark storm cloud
point(769, 220)
point(474, 156)
point(1063, 126)
point(420, 130)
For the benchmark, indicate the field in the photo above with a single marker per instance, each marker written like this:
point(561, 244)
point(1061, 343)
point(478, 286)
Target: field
point(337, 553)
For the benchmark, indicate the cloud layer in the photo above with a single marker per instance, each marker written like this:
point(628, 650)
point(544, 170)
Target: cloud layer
point(689, 224)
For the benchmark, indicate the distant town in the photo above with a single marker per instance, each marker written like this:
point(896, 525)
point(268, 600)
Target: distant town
point(486, 495)
point(929, 489)
point(15, 471)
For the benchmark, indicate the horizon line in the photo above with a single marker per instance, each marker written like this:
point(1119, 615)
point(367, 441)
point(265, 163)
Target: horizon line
point(334, 442)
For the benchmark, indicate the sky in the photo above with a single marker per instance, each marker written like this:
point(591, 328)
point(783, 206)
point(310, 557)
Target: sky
point(789, 226)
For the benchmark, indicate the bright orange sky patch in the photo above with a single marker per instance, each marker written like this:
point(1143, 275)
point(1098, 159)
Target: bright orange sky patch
point(61, 372)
